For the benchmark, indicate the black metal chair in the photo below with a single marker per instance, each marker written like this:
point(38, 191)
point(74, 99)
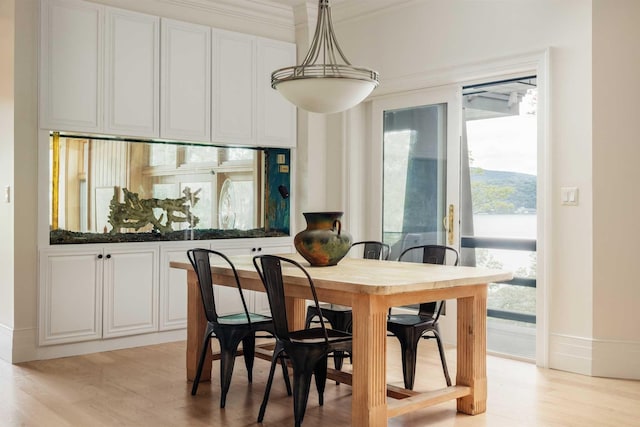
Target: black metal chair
point(372, 249)
point(307, 349)
point(230, 329)
point(340, 316)
point(409, 328)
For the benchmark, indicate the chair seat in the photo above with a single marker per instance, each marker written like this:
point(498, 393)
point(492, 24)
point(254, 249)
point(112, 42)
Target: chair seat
point(410, 319)
point(241, 319)
point(316, 335)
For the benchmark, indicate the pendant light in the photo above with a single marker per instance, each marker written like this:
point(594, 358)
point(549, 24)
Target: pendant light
point(325, 82)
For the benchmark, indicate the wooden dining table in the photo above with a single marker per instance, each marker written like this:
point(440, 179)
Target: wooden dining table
point(370, 288)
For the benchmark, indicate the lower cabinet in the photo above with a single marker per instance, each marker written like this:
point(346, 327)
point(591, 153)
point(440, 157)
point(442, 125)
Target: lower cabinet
point(105, 292)
point(130, 292)
point(99, 292)
point(173, 289)
point(257, 302)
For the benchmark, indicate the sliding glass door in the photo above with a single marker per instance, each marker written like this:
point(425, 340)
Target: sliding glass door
point(420, 146)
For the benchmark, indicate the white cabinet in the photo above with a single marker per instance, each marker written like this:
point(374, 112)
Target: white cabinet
point(113, 71)
point(70, 297)
point(276, 117)
point(71, 65)
point(246, 110)
point(99, 69)
point(256, 301)
point(88, 294)
point(185, 91)
point(173, 287)
point(130, 291)
point(132, 77)
point(234, 87)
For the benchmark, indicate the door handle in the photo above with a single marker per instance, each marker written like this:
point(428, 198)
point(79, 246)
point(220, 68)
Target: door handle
point(448, 223)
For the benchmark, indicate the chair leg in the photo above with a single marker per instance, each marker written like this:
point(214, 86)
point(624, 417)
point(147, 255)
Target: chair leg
point(303, 368)
point(203, 356)
point(228, 348)
point(409, 349)
point(274, 360)
point(320, 372)
point(341, 322)
point(249, 350)
point(442, 357)
point(285, 374)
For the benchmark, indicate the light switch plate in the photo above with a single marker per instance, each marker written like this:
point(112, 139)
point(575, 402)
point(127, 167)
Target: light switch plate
point(7, 194)
point(569, 196)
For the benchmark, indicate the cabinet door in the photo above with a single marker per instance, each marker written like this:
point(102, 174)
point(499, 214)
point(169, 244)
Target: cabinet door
point(233, 87)
point(228, 299)
point(132, 52)
point(185, 101)
point(71, 49)
point(257, 302)
point(173, 289)
point(276, 124)
point(130, 291)
point(260, 299)
point(70, 297)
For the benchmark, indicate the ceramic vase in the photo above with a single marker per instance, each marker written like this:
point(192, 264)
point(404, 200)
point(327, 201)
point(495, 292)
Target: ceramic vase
point(323, 242)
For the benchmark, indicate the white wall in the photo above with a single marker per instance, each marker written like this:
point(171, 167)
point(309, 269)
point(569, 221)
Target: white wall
point(7, 25)
point(616, 152)
point(409, 43)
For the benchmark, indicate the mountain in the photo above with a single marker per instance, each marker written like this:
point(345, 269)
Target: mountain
point(502, 192)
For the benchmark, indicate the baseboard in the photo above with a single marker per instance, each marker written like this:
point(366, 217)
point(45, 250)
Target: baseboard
point(18, 346)
point(616, 359)
point(24, 344)
point(6, 343)
point(570, 353)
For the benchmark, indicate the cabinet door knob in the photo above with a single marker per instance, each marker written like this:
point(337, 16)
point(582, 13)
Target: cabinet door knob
point(100, 256)
point(108, 256)
point(253, 249)
point(259, 249)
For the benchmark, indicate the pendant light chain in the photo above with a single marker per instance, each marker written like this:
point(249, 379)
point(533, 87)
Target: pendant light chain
point(325, 60)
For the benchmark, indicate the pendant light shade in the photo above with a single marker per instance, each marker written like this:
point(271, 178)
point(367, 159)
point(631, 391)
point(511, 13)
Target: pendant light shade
point(325, 82)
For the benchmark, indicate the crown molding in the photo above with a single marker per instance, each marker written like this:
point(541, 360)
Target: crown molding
point(353, 10)
point(257, 11)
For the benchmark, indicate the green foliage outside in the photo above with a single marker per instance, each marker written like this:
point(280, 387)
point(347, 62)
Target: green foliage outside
point(499, 192)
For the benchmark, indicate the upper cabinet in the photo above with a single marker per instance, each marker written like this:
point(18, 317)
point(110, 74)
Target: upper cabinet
point(276, 116)
point(246, 110)
point(99, 69)
point(185, 101)
point(234, 88)
point(132, 73)
point(71, 65)
point(113, 71)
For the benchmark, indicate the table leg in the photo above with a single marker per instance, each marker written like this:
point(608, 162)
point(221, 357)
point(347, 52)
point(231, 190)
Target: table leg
point(472, 351)
point(196, 326)
point(296, 307)
point(369, 398)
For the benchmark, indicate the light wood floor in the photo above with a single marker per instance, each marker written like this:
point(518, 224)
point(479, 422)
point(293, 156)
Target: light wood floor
point(146, 387)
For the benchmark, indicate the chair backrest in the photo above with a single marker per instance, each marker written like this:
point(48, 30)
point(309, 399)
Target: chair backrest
point(201, 261)
point(269, 268)
point(374, 249)
point(431, 254)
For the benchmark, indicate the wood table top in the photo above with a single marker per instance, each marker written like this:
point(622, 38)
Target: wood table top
point(366, 276)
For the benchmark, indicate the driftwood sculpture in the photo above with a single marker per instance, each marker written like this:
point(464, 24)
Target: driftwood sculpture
point(137, 213)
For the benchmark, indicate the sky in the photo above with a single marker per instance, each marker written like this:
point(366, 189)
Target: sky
point(507, 143)
point(504, 143)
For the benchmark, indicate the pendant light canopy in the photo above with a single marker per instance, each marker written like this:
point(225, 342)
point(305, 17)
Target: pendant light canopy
point(325, 82)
